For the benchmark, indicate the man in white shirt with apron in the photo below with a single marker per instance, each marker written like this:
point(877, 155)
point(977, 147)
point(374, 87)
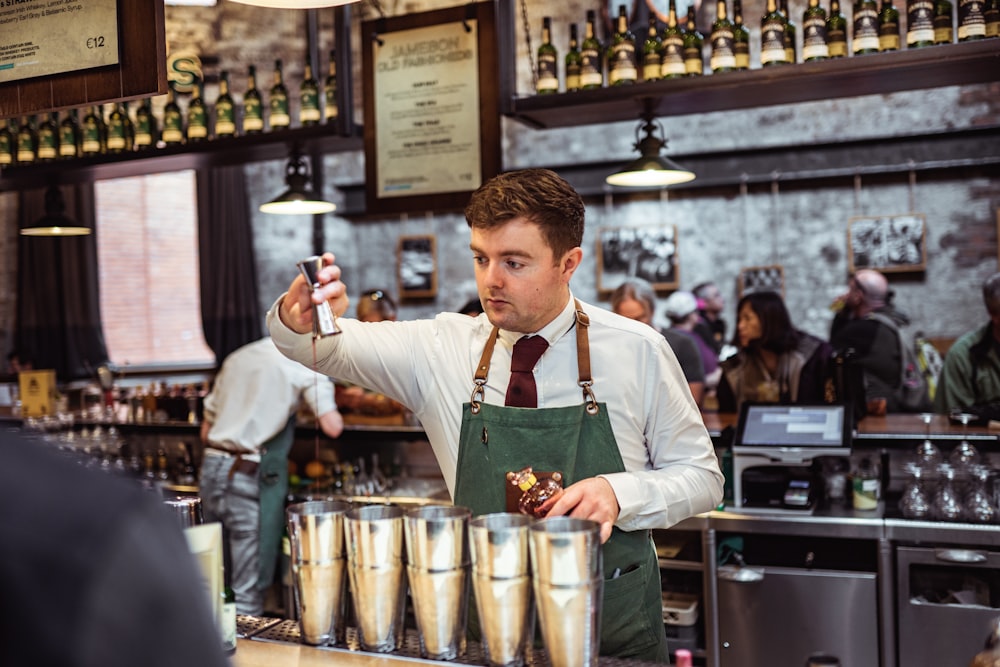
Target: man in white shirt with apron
point(609, 408)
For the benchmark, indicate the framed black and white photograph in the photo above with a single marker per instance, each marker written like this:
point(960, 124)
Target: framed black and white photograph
point(649, 253)
point(417, 266)
point(762, 279)
point(889, 243)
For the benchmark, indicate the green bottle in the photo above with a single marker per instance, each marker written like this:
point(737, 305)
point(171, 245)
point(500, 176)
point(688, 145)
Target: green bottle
point(741, 38)
point(865, 27)
point(225, 109)
point(116, 130)
point(652, 52)
point(623, 62)
point(197, 116)
point(920, 23)
point(330, 89)
point(888, 27)
point(836, 31)
point(253, 107)
point(48, 138)
point(944, 27)
point(592, 57)
point(547, 79)
point(814, 39)
point(27, 141)
point(574, 61)
point(991, 13)
point(92, 141)
point(309, 112)
point(772, 37)
point(672, 63)
point(145, 126)
point(693, 43)
point(173, 121)
point(723, 58)
point(278, 116)
point(69, 135)
point(7, 143)
point(971, 20)
point(791, 47)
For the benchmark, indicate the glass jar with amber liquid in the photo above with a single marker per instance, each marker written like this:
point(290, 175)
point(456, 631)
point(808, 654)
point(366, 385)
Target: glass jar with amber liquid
point(534, 491)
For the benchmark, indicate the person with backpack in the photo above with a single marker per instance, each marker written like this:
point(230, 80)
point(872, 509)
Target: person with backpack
point(970, 379)
point(867, 333)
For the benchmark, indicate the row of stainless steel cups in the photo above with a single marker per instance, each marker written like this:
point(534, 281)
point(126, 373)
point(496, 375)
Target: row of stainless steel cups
point(516, 566)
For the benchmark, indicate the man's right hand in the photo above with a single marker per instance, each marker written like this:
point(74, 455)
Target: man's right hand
point(296, 311)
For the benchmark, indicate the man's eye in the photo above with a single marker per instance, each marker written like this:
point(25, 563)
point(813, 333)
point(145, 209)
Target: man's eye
point(514, 265)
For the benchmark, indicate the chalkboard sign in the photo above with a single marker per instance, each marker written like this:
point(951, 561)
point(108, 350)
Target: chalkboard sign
point(888, 243)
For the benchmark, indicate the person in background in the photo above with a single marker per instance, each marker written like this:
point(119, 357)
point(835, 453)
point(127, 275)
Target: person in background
point(247, 431)
point(636, 299)
point(94, 570)
point(865, 331)
point(376, 306)
point(681, 309)
point(776, 363)
point(543, 381)
point(970, 379)
point(710, 325)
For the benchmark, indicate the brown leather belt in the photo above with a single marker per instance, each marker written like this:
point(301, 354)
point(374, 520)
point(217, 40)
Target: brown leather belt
point(240, 464)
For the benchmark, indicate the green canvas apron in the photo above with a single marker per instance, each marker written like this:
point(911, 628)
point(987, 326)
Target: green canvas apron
point(273, 477)
point(577, 441)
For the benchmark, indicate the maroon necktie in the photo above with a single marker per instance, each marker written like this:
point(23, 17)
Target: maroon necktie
point(521, 391)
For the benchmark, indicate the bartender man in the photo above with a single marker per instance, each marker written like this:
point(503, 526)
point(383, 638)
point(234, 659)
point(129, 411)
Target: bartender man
point(612, 410)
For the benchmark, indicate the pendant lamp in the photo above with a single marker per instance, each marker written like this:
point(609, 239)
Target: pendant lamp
point(298, 199)
point(55, 222)
point(651, 169)
point(295, 4)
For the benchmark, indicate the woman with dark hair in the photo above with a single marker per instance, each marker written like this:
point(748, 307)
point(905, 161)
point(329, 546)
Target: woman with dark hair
point(776, 362)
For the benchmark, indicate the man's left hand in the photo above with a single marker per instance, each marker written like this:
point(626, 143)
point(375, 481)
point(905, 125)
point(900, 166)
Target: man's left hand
point(592, 499)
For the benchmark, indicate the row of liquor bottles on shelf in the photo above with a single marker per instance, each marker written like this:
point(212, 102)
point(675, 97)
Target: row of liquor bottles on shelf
point(677, 50)
point(117, 130)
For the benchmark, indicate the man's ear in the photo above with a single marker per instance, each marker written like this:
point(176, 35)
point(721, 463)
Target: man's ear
point(571, 261)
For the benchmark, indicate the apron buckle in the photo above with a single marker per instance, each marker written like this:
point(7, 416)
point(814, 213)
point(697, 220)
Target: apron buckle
point(478, 396)
point(588, 396)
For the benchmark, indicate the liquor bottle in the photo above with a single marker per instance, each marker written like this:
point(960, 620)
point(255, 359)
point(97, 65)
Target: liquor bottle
point(253, 110)
point(888, 27)
point(129, 128)
point(173, 122)
point(723, 58)
point(197, 117)
point(865, 27)
point(548, 65)
point(791, 47)
point(652, 52)
point(971, 21)
point(330, 89)
point(814, 44)
point(534, 492)
point(225, 109)
point(145, 126)
point(836, 31)
point(278, 116)
point(227, 619)
point(48, 138)
point(920, 23)
point(772, 37)
point(309, 112)
point(693, 43)
point(69, 135)
point(741, 37)
point(92, 139)
point(623, 64)
point(116, 130)
point(8, 143)
point(991, 13)
point(672, 62)
point(27, 141)
point(574, 61)
point(944, 27)
point(592, 57)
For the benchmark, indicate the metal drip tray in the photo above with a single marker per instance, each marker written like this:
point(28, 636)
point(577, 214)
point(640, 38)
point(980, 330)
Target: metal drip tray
point(288, 631)
point(248, 626)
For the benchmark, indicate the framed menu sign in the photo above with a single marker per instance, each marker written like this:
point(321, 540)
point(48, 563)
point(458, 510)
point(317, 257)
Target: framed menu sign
point(432, 122)
point(42, 37)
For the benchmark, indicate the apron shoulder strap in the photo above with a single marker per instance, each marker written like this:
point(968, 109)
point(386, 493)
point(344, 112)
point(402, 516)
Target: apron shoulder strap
point(583, 358)
point(482, 371)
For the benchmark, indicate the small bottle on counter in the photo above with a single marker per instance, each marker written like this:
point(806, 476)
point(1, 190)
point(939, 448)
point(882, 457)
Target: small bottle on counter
point(534, 492)
point(866, 484)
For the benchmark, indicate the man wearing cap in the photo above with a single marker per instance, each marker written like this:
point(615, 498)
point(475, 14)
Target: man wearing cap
point(682, 310)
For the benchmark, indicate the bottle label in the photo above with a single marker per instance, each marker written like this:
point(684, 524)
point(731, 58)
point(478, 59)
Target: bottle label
point(573, 76)
point(172, 133)
point(992, 23)
point(309, 108)
point(116, 142)
point(143, 138)
point(5, 155)
point(622, 67)
point(548, 77)
point(723, 56)
point(590, 68)
point(651, 66)
point(25, 154)
point(672, 63)
point(46, 151)
point(91, 140)
point(67, 145)
point(919, 21)
point(814, 38)
point(741, 52)
point(692, 61)
point(279, 113)
point(971, 22)
point(331, 104)
point(888, 36)
point(865, 30)
point(772, 42)
point(253, 119)
point(197, 131)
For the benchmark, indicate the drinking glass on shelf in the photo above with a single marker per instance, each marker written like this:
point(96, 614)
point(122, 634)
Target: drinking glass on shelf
point(916, 500)
point(979, 507)
point(965, 454)
point(947, 506)
point(928, 454)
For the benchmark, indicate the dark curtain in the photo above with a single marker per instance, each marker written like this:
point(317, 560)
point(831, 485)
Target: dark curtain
point(230, 308)
point(58, 304)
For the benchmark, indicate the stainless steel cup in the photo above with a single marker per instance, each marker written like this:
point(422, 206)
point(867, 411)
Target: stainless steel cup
point(187, 509)
point(568, 583)
point(377, 576)
point(501, 581)
point(437, 553)
point(316, 536)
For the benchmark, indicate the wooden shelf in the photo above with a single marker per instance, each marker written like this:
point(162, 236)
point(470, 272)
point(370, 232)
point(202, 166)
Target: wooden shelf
point(913, 69)
point(319, 139)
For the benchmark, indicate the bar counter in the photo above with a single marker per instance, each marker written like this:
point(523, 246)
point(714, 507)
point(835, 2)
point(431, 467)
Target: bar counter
point(253, 653)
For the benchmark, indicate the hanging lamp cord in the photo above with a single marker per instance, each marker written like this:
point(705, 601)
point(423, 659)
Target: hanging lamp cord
point(527, 41)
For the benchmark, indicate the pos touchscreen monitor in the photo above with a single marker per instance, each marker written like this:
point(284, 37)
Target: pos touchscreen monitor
point(794, 430)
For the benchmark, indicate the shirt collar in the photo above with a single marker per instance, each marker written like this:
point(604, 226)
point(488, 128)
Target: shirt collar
point(560, 325)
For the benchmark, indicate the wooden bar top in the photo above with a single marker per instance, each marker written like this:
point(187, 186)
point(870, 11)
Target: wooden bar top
point(256, 653)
